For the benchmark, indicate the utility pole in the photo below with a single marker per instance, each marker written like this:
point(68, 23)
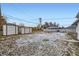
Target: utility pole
point(2, 20)
point(40, 22)
point(0, 11)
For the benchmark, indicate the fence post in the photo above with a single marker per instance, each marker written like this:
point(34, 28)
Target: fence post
point(15, 29)
point(6, 29)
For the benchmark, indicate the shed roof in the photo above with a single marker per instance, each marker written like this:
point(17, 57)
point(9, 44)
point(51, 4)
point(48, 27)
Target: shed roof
point(11, 24)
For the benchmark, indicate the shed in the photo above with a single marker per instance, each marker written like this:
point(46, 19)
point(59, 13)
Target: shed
point(25, 30)
point(28, 30)
point(21, 30)
point(10, 29)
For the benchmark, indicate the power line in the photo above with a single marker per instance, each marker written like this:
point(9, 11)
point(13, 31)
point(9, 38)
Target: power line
point(51, 19)
point(12, 17)
point(59, 18)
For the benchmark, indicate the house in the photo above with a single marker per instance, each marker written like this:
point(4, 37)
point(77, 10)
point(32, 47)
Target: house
point(71, 28)
point(52, 28)
point(76, 25)
point(77, 30)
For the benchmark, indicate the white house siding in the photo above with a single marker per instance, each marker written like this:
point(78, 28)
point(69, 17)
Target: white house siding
point(50, 30)
point(60, 30)
point(71, 30)
point(77, 30)
point(55, 30)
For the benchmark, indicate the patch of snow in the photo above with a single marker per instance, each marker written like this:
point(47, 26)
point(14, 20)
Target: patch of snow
point(52, 37)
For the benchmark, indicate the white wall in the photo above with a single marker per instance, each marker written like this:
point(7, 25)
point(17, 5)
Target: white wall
point(70, 30)
point(77, 30)
point(10, 29)
point(50, 30)
point(16, 29)
point(13, 29)
point(61, 30)
point(30, 30)
point(27, 30)
point(47, 30)
point(4, 29)
point(22, 30)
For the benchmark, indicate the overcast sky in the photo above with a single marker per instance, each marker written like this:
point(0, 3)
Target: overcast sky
point(64, 14)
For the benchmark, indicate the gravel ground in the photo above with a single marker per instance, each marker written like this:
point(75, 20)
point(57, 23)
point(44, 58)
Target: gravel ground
point(38, 44)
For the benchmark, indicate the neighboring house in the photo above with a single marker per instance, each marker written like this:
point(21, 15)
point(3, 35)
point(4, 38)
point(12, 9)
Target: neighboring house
point(71, 28)
point(77, 30)
point(54, 28)
point(76, 24)
point(51, 29)
point(77, 27)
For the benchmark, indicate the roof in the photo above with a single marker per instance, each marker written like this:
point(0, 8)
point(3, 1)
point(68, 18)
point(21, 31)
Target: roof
point(17, 25)
point(77, 16)
point(53, 27)
point(75, 23)
point(11, 24)
point(71, 27)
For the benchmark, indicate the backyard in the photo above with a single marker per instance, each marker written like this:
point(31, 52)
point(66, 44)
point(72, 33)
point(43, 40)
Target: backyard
point(39, 44)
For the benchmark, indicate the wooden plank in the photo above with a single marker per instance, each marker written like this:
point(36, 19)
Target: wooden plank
point(74, 41)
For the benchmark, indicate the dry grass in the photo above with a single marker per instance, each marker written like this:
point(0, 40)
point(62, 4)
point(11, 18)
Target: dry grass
point(9, 48)
point(45, 39)
point(44, 47)
point(72, 35)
